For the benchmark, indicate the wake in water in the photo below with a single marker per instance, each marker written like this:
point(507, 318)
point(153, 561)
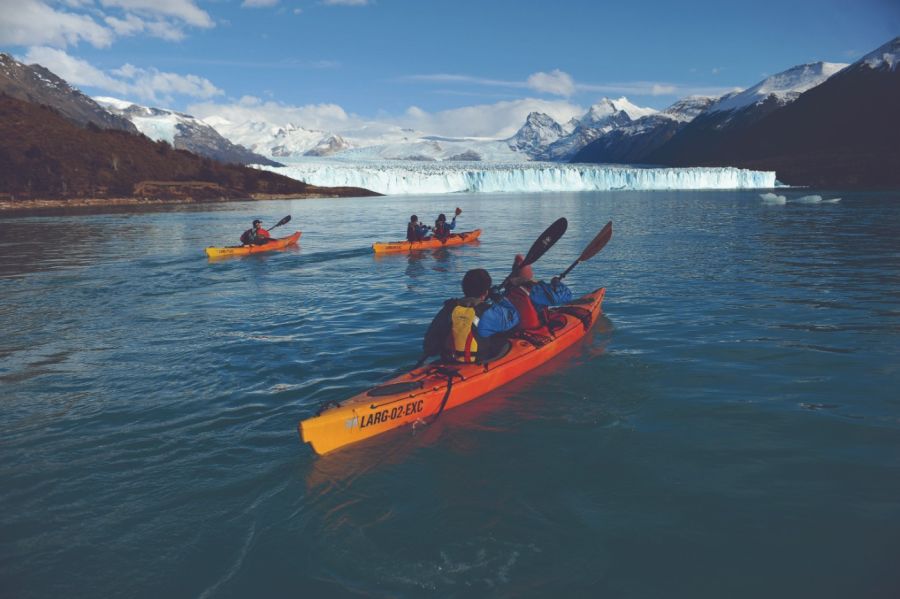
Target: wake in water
point(774, 199)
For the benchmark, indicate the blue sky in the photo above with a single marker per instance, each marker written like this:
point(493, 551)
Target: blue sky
point(396, 59)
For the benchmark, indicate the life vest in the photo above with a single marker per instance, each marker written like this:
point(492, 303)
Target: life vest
point(412, 232)
point(520, 298)
point(463, 320)
point(441, 229)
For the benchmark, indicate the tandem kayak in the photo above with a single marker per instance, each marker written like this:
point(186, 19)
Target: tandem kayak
point(423, 392)
point(242, 250)
point(384, 247)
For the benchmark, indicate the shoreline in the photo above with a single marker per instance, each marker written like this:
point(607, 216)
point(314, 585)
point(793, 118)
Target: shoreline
point(8, 206)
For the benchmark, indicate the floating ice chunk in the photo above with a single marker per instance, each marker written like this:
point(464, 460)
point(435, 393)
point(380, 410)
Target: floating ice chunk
point(771, 198)
point(831, 201)
point(813, 199)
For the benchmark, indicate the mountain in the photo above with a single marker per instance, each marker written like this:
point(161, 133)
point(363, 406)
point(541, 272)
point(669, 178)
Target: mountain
point(35, 84)
point(329, 145)
point(182, 132)
point(601, 118)
point(538, 132)
point(285, 142)
point(734, 112)
point(44, 155)
point(843, 132)
point(632, 142)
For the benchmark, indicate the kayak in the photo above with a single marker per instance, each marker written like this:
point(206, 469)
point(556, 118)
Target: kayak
point(242, 250)
point(423, 392)
point(384, 247)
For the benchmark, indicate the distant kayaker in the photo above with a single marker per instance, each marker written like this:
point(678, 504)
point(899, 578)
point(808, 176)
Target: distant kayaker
point(467, 329)
point(256, 236)
point(414, 230)
point(442, 228)
point(532, 299)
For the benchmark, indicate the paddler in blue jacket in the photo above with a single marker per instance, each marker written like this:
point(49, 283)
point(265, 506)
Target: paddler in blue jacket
point(470, 329)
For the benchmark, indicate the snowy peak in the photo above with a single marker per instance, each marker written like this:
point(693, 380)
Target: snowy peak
point(182, 131)
point(606, 110)
point(784, 87)
point(687, 109)
point(539, 131)
point(329, 145)
point(885, 58)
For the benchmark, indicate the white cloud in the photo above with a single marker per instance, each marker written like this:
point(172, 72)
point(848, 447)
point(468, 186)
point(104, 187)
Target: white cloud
point(150, 85)
point(258, 3)
point(33, 22)
point(556, 82)
point(180, 10)
point(328, 117)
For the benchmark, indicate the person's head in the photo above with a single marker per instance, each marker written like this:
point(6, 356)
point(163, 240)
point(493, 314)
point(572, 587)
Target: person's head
point(476, 283)
point(257, 224)
point(441, 218)
point(519, 272)
point(413, 219)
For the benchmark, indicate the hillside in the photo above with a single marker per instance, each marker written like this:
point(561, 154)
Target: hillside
point(43, 155)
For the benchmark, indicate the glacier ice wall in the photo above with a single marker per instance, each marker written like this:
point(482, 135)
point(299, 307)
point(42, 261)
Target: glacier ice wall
point(397, 178)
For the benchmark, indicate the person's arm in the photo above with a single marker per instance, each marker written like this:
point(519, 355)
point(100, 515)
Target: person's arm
point(500, 317)
point(452, 224)
point(545, 294)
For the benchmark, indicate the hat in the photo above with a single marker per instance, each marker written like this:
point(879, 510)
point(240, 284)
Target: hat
point(523, 273)
point(257, 222)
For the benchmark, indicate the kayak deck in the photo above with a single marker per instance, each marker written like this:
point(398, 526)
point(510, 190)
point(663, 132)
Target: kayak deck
point(384, 247)
point(418, 394)
point(242, 250)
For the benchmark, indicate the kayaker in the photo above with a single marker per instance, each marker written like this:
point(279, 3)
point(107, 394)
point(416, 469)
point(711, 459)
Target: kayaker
point(532, 299)
point(415, 231)
point(256, 236)
point(442, 228)
point(467, 329)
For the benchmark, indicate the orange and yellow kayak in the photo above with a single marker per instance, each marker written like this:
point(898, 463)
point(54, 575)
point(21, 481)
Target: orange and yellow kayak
point(420, 393)
point(242, 250)
point(384, 247)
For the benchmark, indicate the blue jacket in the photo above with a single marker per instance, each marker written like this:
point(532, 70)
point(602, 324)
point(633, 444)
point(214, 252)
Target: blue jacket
point(503, 316)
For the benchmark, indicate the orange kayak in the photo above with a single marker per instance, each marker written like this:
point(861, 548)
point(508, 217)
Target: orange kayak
point(384, 247)
point(242, 250)
point(420, 393)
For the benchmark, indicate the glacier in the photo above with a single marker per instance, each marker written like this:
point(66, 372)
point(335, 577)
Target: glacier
point(404, 178)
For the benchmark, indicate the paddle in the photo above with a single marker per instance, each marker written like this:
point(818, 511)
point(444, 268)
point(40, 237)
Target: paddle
point(543, 243)
point(283, 221)
point(592, 248)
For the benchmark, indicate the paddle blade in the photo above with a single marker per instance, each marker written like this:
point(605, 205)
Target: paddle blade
point(598, 243)
point(283, 221)
point(545, 241)
point(458, 211)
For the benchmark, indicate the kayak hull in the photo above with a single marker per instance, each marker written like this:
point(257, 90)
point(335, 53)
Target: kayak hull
point(386, 247)
point(418, 394)
point(240, 250)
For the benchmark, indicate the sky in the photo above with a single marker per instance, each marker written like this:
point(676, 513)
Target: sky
point(472, 68)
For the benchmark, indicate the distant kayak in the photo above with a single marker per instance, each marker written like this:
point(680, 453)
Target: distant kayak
point(242, 250)
point(384, 247)
point(423, 393)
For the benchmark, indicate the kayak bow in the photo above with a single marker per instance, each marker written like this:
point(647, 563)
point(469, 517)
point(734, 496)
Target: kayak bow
point(242, 250)
point(384, 247)
point(423, 392)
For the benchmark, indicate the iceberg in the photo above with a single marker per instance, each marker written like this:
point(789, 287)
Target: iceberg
point(407, 177)
point(771, 198)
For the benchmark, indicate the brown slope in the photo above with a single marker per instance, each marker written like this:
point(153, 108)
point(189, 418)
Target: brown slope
point(45, 156)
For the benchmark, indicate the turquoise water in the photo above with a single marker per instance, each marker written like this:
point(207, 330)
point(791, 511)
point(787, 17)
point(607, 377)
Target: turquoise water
point(731, 428)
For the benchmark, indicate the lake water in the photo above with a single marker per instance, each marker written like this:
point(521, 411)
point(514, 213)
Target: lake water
point(730, 428)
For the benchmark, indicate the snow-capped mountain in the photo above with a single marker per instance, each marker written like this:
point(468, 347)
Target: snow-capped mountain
point(842, 132)
point(182, 131)
point(281, 142)
point(782, 89)
point(539, 131)
point(630, 143)
point(740, 110)
point(329, 145)
point(601, 118)
point(35, 84)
